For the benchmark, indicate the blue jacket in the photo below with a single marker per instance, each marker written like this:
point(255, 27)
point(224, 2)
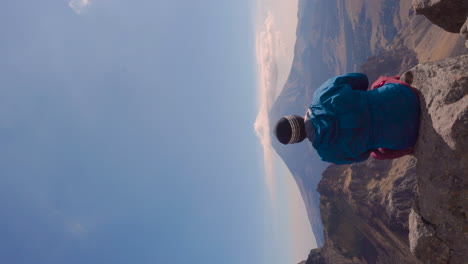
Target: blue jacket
point(345, 122)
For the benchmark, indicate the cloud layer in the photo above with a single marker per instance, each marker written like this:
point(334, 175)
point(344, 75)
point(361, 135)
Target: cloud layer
point(79, 5)
point(268, 51)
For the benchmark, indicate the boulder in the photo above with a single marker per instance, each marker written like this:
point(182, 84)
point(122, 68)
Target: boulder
point(447, 14)
point(464, 32)
point(424, 243)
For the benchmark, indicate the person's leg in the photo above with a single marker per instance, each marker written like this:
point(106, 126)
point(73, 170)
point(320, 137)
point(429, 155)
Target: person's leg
point(395, 79)
point(384, 153)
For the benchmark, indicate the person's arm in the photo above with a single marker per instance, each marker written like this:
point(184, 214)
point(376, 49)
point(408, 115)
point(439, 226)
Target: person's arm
point(395, 79)
point(357, 81)
point(339, 157)
point(333, 86)
point(385, 79)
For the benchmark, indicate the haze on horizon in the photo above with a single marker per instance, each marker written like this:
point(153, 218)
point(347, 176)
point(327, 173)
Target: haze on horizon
point(275, 40)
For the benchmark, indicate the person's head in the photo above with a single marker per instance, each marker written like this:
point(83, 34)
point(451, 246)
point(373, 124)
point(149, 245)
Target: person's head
point(290, 129)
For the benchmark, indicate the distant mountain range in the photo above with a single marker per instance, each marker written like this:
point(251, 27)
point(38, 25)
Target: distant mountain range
point(339, 36)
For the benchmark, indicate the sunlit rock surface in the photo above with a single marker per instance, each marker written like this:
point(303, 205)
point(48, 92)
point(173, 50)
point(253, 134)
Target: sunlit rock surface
point(441, 151)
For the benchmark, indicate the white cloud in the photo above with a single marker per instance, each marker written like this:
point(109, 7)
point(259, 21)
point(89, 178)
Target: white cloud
point(275, 40)
point(268, 52)
point(77, 229)
point(79, 5)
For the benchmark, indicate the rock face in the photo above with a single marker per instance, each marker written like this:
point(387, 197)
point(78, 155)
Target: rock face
point(464, 32)
point(442, 167)
point(365, 210)
point(372, 212)
point(447, 14)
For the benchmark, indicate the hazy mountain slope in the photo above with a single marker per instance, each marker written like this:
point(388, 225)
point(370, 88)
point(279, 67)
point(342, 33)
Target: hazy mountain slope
point(418, 41)
point(333, 37)
point(338, 36)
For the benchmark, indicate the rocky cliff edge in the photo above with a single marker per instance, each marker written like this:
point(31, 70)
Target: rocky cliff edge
point(412, 209)
point(438, 223)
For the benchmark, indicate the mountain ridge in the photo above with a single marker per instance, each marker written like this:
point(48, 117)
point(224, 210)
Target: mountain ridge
point(335, 37)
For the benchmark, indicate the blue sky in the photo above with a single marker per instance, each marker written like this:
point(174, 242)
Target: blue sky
point(127, 135)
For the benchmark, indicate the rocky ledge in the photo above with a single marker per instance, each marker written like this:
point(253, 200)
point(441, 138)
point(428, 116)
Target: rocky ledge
point(439, 229)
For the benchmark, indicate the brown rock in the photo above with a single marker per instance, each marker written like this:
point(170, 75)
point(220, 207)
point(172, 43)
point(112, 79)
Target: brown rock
point(447, 14)
point(365, 209)
point(424, 243)
point(464, 32)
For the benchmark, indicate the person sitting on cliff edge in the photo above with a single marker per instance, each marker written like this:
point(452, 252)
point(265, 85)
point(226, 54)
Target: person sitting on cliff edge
point(347, 123)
